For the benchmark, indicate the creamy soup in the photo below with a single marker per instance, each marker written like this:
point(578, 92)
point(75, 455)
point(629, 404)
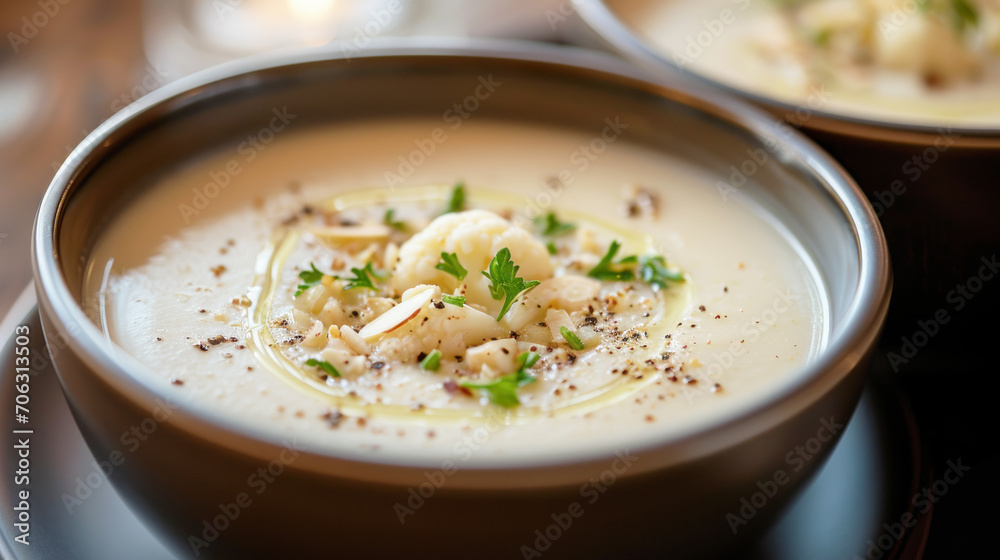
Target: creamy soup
point(933, 63)
point(334, 289)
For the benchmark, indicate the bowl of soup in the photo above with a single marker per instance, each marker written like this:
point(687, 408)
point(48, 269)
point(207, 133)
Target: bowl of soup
point(903, 94)
point(476, 299)
point(899, 71)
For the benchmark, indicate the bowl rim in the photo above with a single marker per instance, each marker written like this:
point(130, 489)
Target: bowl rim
point(602, 20)
point(862, 319)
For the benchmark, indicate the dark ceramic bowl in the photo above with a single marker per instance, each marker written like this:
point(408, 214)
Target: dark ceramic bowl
point(934, 189)
point(324, 503)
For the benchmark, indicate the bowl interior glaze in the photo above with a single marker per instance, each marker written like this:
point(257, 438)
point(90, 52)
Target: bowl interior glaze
point(815, 199)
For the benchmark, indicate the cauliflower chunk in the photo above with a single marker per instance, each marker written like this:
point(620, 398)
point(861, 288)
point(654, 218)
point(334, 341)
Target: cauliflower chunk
point(475, 236)
point(927, 46)
point(450, 329)
point(498, 356)
point(570, 293)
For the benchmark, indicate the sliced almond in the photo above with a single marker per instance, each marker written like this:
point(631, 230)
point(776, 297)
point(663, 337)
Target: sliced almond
point(354, 340)
point(316, 337)
point(397, 316)
point(420, 289)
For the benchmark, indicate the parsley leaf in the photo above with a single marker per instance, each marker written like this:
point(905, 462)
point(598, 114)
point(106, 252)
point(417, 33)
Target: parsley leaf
point(394, 224)
point(574, 341)
point(964, 14)
point(503, 390)
point(323, 365)
point(653, 269)
point(551, 248)
point(506, 284)
point(361, 278)
point(309, 279)
point(604, 270)
point(432, 362)
point(456, 201)
point(449, 263)
point(454, 300)
point(552, 227)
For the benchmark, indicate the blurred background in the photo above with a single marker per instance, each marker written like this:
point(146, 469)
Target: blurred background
point(67, 65)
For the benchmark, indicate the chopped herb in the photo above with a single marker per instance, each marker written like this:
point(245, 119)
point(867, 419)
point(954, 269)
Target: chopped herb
point(551, 248)
point(381, 275)
point(964, 15)
point(449, 264)
point(821, 38)
point(653, 269)
point(961, 12)
point(574, 341)
point(454, 300)
point(389, 221)
point(456, 201)
point(432, 362)
point(604, 270)
point(506, 284)
point(361, 278)
point(503, 390)
point(309, 278)
point(552, 227)
point(323, 365)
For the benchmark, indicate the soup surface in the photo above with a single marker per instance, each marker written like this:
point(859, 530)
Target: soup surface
point(358, 289)
point(933, 63)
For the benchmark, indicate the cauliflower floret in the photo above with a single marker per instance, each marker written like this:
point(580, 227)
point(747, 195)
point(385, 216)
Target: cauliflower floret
point(497, 355)
point(569, 292)
point(450, 329)
point(924, 45)
point(475, 236)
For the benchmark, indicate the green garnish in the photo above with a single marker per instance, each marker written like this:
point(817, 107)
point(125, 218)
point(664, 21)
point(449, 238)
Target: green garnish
point(653, 269)
point(503, 390)
point(552, 227)
point(323, 365)
point(961, 12)
point(574, 341)
point(821, 38)
point(964, 14)
point(389, 221)
point(604, 270)
point(432, 361)
point(456, 201)
point(506, 284)
point(449, 263)
point(551, 248)
point(309, 279)
point(361, 278)
point(454, 300)
point(384, 275)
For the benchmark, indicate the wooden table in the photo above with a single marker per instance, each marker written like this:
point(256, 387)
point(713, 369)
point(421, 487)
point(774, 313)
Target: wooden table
point(63, 81)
